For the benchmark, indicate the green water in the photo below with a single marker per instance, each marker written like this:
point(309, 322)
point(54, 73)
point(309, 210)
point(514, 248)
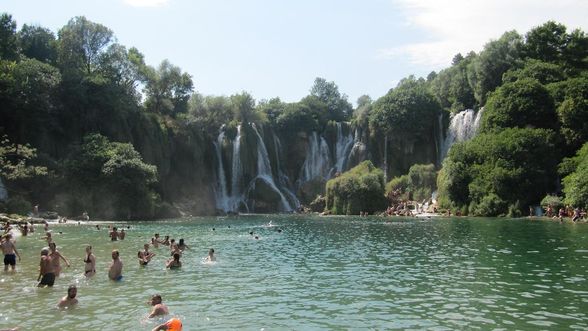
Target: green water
point(318, 273)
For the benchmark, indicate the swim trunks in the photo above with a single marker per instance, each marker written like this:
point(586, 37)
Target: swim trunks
point(48, 279)
point(10, 259)
point(119, 278)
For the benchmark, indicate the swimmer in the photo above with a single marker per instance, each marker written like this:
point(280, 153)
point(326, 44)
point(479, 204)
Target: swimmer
point(115, 269)
point(97, 227)
point(211, 257)
point(46, 272)
point(173, 324)
point(90, 261)
point(145, 255)
point(182, 246)
point(174, 263)
point(10, 252)
point(165, 241)
point(122, 234)
point(70, 299)
point(159, 309)
point(55, 257)
point(113, 234)
point(154, 242)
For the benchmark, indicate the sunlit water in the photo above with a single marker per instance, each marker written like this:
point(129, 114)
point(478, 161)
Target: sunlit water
point(318, 273)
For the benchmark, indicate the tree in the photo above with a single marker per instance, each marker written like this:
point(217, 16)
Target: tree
point(167, 89)
point(8, 40)
point(521, 104)
point(485, 72)
point(38, 43)
point(493, 171)
point(575, 182)
point(543, 72)
point(82, 44)
point(546, 42)
point(572, 110)
point(15, 161)
point(328, 92)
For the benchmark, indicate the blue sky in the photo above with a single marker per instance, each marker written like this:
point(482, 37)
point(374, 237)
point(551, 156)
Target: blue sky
point(273, 48)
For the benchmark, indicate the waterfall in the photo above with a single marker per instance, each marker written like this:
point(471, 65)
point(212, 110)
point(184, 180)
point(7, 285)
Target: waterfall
point(463, 126)
point(264, 170)
point(3, 192)
point(222, 198)
point(282, 178)
point(342, 149)
point(317, 163)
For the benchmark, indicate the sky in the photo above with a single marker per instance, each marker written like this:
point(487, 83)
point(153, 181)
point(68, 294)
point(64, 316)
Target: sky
point(274, 48)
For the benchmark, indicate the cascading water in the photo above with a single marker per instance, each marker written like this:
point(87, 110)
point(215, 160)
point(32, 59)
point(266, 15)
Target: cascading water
point(463, 126)
point(317, 163)
point(342, 148)
point(264, 170)
point(3, 192)
point(282, 178)
point(222, 197)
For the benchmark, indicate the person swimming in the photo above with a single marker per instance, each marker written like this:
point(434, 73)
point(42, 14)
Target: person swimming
point(211, 257)
point(159, 309)
point(70, 299)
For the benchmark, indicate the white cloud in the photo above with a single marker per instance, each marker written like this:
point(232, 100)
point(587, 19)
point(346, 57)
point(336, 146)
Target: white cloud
point(146, 3)
point(453, 26)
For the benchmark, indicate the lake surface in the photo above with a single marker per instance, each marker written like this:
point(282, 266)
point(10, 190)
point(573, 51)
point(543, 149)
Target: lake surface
point(318, 273)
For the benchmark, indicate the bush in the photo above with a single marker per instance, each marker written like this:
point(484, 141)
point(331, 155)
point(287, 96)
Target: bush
point(490, 205)
point(552, 200)
point(18, 205)
point(359, 189)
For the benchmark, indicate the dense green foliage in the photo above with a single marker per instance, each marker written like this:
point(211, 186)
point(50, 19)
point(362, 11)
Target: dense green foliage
point(523, 103)
point(493, 171)
point(575, 182)
point(418, 184)
point(361, 189)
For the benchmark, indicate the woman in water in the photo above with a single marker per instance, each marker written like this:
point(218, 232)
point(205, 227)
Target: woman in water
point(90, 261)
point(145, 255)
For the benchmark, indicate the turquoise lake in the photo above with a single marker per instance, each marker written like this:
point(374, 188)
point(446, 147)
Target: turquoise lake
point(318, 273)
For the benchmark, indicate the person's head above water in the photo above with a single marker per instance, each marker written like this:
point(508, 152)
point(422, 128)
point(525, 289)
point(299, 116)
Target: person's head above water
point(115, 254)
point(156, 299)
point(72, 291)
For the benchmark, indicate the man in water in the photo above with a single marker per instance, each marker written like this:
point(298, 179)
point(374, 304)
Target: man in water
point(70, 299)
point(115, 270)
point(46, 270)
point(159, 309)
point(122, 234)
point(113, 234)
point(10, 253)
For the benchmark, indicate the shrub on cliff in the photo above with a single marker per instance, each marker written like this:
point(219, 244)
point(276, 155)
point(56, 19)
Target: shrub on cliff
point(359, 189)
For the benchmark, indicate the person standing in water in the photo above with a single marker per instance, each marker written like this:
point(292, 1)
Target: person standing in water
point(55, 257)
point(159, 309)
point(113, 234)
point(115, 270)
point(145, 255)
point(46, 272)
point(90, 261)
point(10, 252)
point(174, 263)
point(70, 299)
